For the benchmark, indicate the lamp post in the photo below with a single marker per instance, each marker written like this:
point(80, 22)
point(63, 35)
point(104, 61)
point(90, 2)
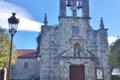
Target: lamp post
point(13, 24)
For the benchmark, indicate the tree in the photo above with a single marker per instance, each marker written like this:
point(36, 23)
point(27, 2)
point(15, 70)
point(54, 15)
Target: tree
point(114, 57)
point(4, 48)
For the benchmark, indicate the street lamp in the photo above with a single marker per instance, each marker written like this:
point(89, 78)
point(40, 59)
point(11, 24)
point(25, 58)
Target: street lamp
point(13, 24)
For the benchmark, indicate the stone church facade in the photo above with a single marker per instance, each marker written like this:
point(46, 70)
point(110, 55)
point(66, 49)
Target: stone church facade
point(73, 50)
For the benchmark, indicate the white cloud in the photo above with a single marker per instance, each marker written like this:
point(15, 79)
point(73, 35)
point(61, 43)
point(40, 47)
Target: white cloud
point(26, 22)
point(111, 39)
point(6, 7)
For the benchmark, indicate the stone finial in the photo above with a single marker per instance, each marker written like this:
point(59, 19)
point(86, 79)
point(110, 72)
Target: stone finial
point(45, 19)
point(101, 23)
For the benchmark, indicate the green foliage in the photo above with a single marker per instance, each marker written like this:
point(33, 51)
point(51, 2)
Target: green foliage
point(5, 49)
point(114, 57)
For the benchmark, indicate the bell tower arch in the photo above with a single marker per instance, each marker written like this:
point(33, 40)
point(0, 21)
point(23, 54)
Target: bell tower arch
point(75, 6)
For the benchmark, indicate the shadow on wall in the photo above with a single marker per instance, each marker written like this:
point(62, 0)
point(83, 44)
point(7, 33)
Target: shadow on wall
point(114, 77)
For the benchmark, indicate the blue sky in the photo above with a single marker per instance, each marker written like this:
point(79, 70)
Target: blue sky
point(109, 10)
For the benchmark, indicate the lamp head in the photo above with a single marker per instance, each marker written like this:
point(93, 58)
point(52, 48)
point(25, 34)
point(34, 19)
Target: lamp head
point(13, 24)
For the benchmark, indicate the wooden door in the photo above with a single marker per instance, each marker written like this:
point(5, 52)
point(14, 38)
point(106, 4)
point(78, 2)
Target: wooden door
point(77, 72)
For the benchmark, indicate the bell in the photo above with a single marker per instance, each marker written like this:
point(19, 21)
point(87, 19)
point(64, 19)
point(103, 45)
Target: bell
point(68, 3)
point(79, 5)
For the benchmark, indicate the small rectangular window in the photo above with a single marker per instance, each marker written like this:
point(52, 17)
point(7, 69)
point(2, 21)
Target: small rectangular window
point(25, 64)
point(75, 30)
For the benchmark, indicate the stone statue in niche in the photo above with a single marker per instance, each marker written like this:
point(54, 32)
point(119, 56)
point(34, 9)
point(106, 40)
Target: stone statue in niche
point(77, 50)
